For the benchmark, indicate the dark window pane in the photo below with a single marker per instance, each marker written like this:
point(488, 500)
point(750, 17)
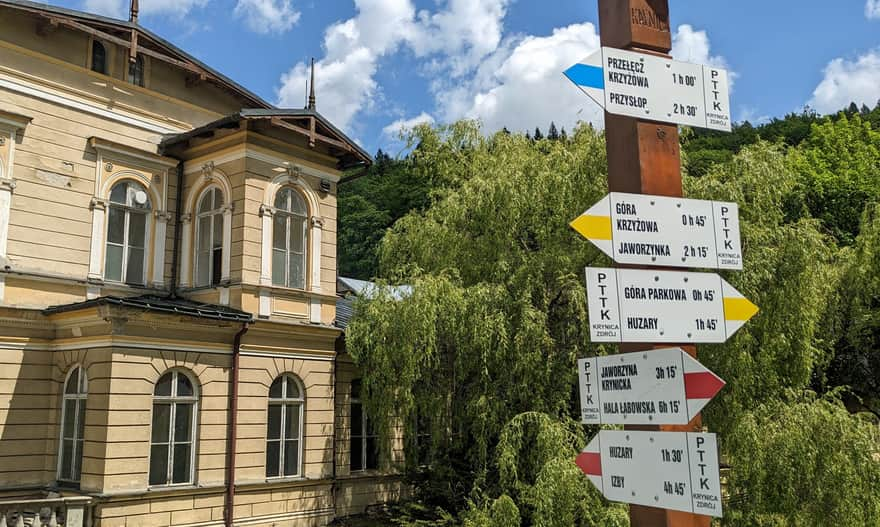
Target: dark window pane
point(69, 418)
point(216, 265)
point(180, 471)
point(357, 419)
point(113, 263)
point(77, 461)
point(218, 199)
point(291, 458)
point(273, 458)
point(217, 230)
point(136, 71)
point(297, 277)
point(202, 270)
point(297, 234)
point(356, 389)
point(184, 387)
point(292, 389)
point(281, 199)
point(357, 454)
point(206, 202)
point(66, 455)
point(274, 422)
point(298, 204)
point(72, 382)
point(81, 418)
point(372, 453)
point(275, 389)
point(119, 193)
point(292, 421)
point(182, 422)
point(204, 233)
point(134, 274)
point(137, 229)
point(115, 225)
point(279, 231)
point(99, 57)
point(278, 267)
point(163, 386)
point(161, 423)
point(158, 464)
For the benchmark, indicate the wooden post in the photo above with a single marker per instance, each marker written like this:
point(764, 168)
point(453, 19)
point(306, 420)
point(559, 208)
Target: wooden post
point(644, 158)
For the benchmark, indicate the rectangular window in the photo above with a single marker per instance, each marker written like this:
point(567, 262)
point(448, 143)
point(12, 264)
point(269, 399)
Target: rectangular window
point(364, 439)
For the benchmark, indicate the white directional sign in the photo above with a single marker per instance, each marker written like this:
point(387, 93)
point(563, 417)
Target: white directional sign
point(671, 232)
point(669, 470)
point(635, 305)
point(655, 88)
point(664, 386)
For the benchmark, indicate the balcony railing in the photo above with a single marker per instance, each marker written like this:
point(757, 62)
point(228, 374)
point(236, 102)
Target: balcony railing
point(74, 511)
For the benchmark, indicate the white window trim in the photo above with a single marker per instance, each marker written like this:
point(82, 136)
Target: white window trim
point(194, 440)
point(148, 231)
point(225, 213)
point(285, 401)
point(363, 435)
point(214, 178)
point(10, 125)
point(314, 228)
point(64, 398)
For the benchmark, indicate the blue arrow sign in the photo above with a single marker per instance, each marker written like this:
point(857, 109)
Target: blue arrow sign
point(589, 76)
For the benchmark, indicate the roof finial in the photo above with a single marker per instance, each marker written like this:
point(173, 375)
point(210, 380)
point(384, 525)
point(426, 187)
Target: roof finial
point(133, 12)
point(312, 87)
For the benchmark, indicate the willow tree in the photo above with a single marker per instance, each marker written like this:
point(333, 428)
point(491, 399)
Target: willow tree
point(483, 350)
point(497, 316)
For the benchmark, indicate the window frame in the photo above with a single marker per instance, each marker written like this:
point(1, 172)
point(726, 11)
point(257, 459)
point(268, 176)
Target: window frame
point(213, 213)
point(288, 215)
point(174, 400)
point(139, 65)
point(284, 401)
point(148, 224)
point(106, 69)
point(363, 435)
point(78, 398)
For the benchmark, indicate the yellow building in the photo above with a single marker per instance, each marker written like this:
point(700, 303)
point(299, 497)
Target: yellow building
point(167, 291)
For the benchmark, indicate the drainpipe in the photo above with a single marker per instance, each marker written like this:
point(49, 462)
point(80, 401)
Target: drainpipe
point(233, 422)
point(177, 225)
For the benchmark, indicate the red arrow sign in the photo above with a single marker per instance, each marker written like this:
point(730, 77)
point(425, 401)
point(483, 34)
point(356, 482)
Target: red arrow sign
point(663, 386)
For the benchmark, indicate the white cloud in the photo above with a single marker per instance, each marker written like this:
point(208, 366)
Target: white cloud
point(521, 85)
point(693, 46)
point(872, 9)
point(848, 81)
point(267, 16)
point(119, 8)
point(401, 125)
point(462, 32)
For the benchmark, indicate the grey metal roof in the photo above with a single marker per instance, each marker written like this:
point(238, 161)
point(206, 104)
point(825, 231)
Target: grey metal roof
point(262, 113)
point(124, 24)
point(160, 304)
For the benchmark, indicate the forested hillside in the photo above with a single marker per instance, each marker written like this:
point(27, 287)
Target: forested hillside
point(479, 360)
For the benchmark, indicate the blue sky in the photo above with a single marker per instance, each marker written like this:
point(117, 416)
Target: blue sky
point(383, 64)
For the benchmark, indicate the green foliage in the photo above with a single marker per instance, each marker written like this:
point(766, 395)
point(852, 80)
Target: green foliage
point(839, 166)
point(857, 317)
point(804, 464)
point(786, 272)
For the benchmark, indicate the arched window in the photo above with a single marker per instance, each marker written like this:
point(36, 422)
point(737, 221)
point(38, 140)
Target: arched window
point(364, 438)
point(136, 71)
point(209, 238)
point(285, 424)
point(175, 402)
point(289, 240)
point(128, 211)
point(99, 57)
point(73, 419)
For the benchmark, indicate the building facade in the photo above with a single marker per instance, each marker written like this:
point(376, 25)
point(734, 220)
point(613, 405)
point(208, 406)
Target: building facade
point(167, 291)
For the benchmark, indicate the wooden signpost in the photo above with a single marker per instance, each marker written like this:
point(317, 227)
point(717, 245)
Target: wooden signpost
point(644, 158)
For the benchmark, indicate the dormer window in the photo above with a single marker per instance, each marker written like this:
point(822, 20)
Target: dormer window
point(99, 57)
point(136, 71)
